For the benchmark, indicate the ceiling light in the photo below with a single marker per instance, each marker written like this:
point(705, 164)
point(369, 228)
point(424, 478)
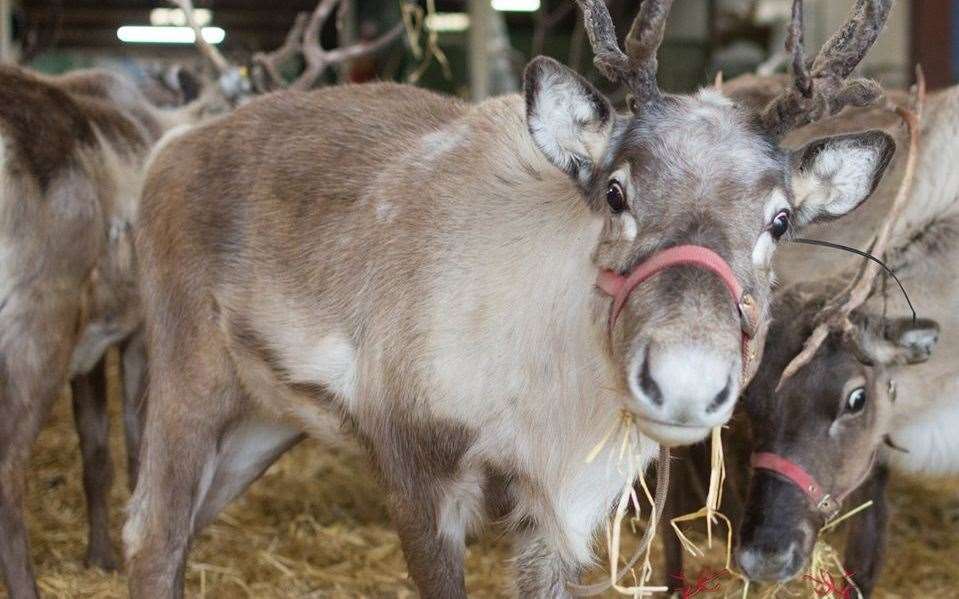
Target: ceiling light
point(175, 16)
point(516, 5)
point(146, 34)
point(448, 22)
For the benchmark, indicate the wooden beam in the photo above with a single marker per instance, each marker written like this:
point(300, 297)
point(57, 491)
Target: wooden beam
point(6, 31)
point(933, 40)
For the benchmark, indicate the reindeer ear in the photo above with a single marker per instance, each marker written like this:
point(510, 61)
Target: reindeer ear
point(570, 121)
point(833, 176)
point(898, 341)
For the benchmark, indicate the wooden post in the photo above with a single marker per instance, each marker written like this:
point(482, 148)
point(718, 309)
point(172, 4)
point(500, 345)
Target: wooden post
point(479, 48)
point(933, 40)
point(6, 31)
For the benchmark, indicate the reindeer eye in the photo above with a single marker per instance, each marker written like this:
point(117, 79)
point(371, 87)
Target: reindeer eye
point(856, 400)
point(615, 197)
point(780, 224)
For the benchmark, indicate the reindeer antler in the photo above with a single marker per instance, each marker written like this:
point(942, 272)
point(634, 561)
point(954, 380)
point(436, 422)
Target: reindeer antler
point(304, 39)
point(636, 68)
point(835, 317)
point(221, 64)
point(824, 88)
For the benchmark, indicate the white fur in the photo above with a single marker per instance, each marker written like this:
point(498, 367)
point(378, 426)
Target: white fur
point(839, 179)
point(930, 439)
point(765, 246)
point(438, 143)
point(385, 212)
point(715, 97)
point(329, 361)
point(565, 121)
point(462, 507)
point(244, 452)
point(629, 228)
point(689, 379)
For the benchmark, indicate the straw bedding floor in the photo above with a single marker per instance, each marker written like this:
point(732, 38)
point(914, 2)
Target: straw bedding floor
point(315, 526)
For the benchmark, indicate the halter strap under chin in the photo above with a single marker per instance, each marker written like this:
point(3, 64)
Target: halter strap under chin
point(825, 503)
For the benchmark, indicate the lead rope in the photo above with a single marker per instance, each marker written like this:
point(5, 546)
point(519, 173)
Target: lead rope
point(659, 504)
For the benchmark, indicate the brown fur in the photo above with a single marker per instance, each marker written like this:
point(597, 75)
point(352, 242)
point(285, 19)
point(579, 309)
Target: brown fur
point(431, 266)
point(71, 150)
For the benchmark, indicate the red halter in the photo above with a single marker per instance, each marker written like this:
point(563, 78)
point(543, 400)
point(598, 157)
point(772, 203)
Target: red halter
point(825, 503)
point(620, 286)
point(797, 475)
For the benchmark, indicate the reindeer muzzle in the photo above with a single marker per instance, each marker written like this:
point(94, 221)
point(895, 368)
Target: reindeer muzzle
point(619, 287)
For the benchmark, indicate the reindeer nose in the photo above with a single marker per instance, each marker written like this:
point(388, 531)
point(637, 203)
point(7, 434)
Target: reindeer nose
point(778, 563)
point(683, 386)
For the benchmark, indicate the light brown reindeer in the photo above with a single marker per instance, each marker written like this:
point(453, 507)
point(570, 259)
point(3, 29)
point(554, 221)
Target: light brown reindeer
point(425, 272)
point(72, 151)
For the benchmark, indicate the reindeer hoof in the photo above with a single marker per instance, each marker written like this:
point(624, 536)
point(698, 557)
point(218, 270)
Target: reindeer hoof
point(102, 559)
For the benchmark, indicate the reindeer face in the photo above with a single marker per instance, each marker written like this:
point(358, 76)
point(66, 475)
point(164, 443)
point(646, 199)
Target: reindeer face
point(829, 419)
point(690, 171)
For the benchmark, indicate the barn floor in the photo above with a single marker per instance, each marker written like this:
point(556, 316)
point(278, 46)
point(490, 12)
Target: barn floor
point(313, 527)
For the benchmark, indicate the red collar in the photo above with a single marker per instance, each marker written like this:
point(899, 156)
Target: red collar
point(797, 475)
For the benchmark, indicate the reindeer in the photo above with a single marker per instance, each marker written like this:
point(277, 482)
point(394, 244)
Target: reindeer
point(889, 420)
point(72, 152)
point(74, 149)
point(478, 292)
point(870, 399)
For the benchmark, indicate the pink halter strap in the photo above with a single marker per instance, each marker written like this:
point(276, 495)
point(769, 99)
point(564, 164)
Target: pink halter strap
point(619, 286)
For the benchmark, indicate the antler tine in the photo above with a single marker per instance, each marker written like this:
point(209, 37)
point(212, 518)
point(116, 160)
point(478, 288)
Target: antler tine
point(319, 59)
point(642, 44)
point(313, 53)
point(845, 50)
point(836, 315)
point(607, 55)
point(795, 47)
point(221, 64)
point(270, 62)
point(636, 68)
point(823, 89)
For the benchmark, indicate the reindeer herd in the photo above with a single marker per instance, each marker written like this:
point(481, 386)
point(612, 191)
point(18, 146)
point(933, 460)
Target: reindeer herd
point(478, 293)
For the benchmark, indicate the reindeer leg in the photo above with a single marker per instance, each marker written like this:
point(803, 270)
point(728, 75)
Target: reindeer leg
point(19, 425)
point(133, 366)
point(178, 461)
point(34, 354)
point(193, 397)
point(866, 545)
point(92, 423)
point(541, 573)
point(429, 492)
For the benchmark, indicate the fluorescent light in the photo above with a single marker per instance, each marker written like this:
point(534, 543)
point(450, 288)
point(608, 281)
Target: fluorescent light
point(448, 22)
point(146, 34)
point(516, 5)
point(175, 16)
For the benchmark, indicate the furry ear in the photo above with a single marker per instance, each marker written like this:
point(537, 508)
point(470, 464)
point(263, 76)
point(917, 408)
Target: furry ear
point(898, 341)
point(833, 176)
point(570, 121)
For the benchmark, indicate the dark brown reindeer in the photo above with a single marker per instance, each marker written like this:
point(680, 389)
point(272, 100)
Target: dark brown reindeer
point(824, 429)
point(72, 151)
point(873, 398)
point(437, 277)
point(901, 425)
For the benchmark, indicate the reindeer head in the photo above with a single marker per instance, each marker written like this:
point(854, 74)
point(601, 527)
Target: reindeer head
point(700, 170)
point(822, 427)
